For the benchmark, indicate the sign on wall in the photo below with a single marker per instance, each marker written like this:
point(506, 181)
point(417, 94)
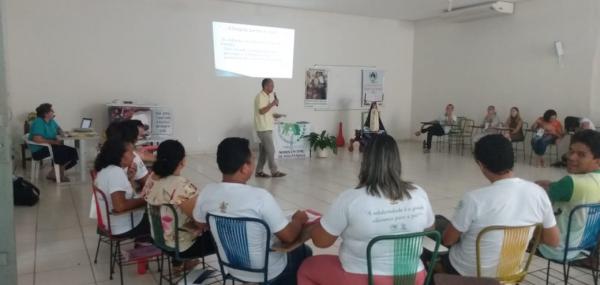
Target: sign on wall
point(163, 122)
point(372, 86)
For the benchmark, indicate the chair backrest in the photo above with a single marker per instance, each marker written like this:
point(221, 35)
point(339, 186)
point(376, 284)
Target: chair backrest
point(590, 216)
point(101, 203)
point(231, 238)
point(457, 128)
point(571, 123)
point(406, 252)
point(158, 223)
point(515, 242)
point(468, 126)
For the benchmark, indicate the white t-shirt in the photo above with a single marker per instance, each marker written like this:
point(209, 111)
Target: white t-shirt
point(358, 217)
point(112, 179)
point(443, 120)
point(140, 172)
point(506, 202)
point(240, 200)
point(140, 167)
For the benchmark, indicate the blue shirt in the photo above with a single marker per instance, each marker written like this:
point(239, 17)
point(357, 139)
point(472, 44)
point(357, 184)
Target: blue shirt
point(39, 127)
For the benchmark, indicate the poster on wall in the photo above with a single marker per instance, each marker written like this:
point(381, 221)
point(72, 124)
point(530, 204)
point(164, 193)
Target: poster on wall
point(315, 95)
point(372, 86)
point(122, 112)
point(163, 122)
point(290, 141)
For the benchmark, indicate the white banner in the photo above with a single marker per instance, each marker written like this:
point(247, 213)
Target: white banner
point(289, 140)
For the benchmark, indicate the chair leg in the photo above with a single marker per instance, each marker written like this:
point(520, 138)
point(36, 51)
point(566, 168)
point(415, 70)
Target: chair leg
point(170, 272)
point(119, 261)
point(57, 173)
point(111, 258)
point(548, 273)
point(34, 166)
point(161, 267)
point(97, 249)
point(566, 268)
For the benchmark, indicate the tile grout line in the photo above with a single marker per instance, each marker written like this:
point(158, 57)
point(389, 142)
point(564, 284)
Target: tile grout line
point(82, 235)
point(37, 219)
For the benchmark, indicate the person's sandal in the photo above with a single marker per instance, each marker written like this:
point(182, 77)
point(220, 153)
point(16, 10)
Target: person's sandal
point(262, 175)
point(278, 174)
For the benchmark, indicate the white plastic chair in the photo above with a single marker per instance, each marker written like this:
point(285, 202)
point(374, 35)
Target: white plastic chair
point(35, 165)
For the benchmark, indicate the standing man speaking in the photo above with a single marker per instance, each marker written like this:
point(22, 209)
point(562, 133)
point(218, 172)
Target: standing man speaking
point(264, 119)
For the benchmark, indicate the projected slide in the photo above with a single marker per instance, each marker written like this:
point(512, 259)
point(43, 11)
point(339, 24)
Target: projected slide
point(253, 51)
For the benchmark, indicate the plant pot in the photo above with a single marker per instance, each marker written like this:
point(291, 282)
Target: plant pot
point(322, 152)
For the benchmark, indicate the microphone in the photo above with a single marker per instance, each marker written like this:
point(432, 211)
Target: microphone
point(275, 95)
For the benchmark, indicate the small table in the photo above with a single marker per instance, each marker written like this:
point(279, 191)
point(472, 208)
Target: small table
point(80, 140)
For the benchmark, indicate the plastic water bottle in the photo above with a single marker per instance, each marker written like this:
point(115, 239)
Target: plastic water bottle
point(142, 265)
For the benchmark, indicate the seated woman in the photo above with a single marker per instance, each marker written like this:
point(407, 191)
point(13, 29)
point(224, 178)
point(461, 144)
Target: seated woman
point(374, 208)
point(44, 129)
point(439, 127)
point(128, 131)
point(166, 186)
point(141, 152)
point(489, 124)
point(515, 124)
point(373, 126)
point(548, 130)
point(113, 181)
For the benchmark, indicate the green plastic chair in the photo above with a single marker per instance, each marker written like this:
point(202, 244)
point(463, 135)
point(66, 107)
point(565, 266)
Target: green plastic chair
point(156, 227)
point(407, 249)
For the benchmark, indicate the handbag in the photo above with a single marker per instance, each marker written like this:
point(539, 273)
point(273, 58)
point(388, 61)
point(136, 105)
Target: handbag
point(24, 192)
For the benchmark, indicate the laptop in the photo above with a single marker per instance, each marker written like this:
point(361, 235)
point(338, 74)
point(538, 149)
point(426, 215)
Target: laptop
point(86, 126)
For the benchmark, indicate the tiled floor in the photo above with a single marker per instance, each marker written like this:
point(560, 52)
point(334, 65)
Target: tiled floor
point(56, 240)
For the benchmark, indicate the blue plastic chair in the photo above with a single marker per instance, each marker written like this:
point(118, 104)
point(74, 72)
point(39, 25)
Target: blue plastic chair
point(589, 240)
point(230, 236)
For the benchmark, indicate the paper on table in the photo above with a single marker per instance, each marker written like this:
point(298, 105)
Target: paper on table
point(313, 216)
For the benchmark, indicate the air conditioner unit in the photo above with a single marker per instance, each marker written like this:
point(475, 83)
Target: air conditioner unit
point(480, 11)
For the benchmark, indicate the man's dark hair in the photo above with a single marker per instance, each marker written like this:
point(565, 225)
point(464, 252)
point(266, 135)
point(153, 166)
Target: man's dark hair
point(265, 82)
point(590, 138)
point(548, 114)
point(43, 109)
point(232, 154)
point(495, 153)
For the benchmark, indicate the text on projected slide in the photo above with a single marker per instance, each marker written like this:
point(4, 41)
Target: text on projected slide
point(253, 51)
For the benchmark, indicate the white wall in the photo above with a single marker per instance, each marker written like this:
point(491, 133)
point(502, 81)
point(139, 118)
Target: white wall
point(507, 61)
point(595, 84)
point(81, 54)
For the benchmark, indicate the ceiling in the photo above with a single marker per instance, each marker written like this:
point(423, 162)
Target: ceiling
point(391, 9)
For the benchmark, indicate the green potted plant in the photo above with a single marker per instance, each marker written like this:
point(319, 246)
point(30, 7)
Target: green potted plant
point(322, 143)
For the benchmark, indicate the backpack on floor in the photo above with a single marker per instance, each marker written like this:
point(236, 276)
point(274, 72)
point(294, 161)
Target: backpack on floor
point(25, 193)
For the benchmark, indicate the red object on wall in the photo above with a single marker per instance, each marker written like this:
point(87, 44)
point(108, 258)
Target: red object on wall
point(340, 141)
